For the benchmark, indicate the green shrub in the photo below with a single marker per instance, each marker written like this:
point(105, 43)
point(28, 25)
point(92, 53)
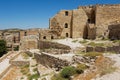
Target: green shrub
point(96, 44)
point(34, 76)
point(68, 71)
point(35, 69)
point(58, 77)
point(116, 41)
point(84, 41)
point(3, 48)
point(80, 68)
point(74, 41)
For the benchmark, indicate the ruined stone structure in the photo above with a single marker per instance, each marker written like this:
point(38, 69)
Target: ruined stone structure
point(29, 42)
point(86, 22)
point(50, 61)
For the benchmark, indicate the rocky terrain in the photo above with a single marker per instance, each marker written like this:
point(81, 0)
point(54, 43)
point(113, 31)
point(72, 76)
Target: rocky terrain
point(37, 64)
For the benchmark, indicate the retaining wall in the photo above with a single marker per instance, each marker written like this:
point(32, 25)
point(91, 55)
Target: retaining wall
point(115, 49)
point(19, 63)
point(50, 61)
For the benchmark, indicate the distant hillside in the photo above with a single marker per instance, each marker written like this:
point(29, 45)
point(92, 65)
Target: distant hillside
point(12, 30)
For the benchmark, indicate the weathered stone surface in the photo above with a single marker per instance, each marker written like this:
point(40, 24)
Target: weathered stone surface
point(50, 61)
point(19, 63)
point(89, 49)
point(115, 49)
point(48, 45)
point(99, 49)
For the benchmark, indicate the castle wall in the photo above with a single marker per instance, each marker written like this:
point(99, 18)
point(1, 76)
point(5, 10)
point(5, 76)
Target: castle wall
point(58, 23)
point(78, 22)
point(47, 34)
point(29, 42)
point(106, 15)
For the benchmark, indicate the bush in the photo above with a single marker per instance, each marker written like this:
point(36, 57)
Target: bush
point(74, 41)
point(34, 76)
point(68, 71)
point(84, 41)
point(58, 77)
point(96, 44)
point(35, 69)
point(3, 49)
point(80, 68)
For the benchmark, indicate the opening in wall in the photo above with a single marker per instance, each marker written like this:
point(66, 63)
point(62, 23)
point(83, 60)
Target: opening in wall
point(52, 37)
point(44, 37)
point(66, 13)
point(67, 35)
point(25, 34)
point(66, 25)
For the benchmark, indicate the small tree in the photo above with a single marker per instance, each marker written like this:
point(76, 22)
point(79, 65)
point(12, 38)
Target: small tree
point(68, 71)
point(3, 48)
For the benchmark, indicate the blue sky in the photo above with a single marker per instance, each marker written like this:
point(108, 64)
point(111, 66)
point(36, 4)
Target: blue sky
point(36, 13)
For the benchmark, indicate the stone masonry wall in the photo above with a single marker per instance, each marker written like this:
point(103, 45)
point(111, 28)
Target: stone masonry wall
point(115, 49)
point(48, 45)
point(50, 61)
point(106, 15)
point(78, 23)
point(58, 23)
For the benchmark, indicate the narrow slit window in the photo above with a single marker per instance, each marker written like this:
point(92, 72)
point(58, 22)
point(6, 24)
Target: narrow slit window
point(66, 13)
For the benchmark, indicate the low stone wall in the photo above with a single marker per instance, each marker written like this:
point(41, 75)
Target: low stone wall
point(55, 51)
point(48, 45)
point(115, 49)
point(50, 61)
point(19, 63)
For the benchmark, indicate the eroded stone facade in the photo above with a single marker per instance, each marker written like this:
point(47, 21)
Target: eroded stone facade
point(87, 21)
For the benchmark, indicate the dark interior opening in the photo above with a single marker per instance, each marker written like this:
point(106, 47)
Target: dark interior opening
point(52, 37)
point(25, 34)
point(66, 25)
point(66, 13)
point(44, 37)
point(67, 35)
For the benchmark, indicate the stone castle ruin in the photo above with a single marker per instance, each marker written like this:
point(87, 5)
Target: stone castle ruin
point(88, 22)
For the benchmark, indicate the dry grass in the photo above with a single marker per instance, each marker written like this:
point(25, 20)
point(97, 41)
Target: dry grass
point(103, 66)
point(12, 74)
